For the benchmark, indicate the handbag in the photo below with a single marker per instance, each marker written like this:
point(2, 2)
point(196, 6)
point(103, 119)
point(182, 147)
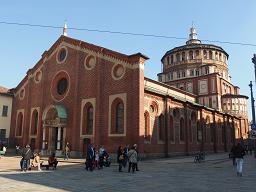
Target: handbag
point(121, 157)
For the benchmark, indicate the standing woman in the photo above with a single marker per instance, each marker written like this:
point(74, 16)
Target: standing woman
point(132, 155)
point(120, 157)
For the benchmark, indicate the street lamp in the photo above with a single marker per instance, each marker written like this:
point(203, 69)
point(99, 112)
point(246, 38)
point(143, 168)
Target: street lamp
point(253, 108)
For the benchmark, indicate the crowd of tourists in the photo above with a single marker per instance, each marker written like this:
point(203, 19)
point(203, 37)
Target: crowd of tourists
point(32, 159)
point(96, 159)
point(128, 155)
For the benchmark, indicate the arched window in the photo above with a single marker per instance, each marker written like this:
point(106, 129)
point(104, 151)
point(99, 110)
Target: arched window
point(197, 54)
point(177, 57)
point(34, 123)
point(146, 127)
point(19, 125)
point(207, 129)
point(171, 128)
point(182, 129)
point(212, 127)
point(161, 127)
point(191, 55)
point(206, 70)
point(223, 134)
point(168, 60)
point(199, 132)
point(183, 56)
point(210, 54)
point(171, 59)
point(205, 54)
point(220, 56)
point(190, 132)
point(216, 56)
point(88, 119)
point(117, 120)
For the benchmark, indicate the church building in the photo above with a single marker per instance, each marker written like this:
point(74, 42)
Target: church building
point(83, 94)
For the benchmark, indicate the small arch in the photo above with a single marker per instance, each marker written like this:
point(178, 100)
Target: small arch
point(210, 54)
point(19, 125)
point(161, 127)
point(178, 57)
point(146, 126)
point(34, 122)
point(182, 129)
point(183, 56)
point(191, 55)
point(205, 54)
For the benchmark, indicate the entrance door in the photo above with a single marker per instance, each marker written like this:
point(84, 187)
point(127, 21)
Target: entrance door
point(54, 139)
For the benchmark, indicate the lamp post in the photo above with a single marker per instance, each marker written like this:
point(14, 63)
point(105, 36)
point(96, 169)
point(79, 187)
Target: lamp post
point(253, 108)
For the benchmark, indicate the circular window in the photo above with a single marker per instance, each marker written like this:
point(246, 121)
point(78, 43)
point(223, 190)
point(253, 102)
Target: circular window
point(62, 55)
point(38, 76)
point(62, 86)
point(89, 62)
point(118, 71)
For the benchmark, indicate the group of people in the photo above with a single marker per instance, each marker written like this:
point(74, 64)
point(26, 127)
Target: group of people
point(128, 155)
point(237, 154)
point(27, 155)
point(96, 158)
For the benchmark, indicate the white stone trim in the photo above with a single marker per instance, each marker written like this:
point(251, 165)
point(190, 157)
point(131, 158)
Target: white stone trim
point(18, 111)
point(113, 69)
point(83, 103)
point(85, 60)
point(122, 96)
point(101, 56)
point(69, 85)
point(58, 52)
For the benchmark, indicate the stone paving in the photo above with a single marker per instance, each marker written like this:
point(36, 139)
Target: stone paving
point(172, 174)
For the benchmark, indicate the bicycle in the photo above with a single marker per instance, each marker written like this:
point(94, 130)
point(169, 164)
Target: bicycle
point(199, 157)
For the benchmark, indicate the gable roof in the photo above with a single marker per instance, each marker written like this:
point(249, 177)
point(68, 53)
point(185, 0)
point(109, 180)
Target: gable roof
point(82, 44)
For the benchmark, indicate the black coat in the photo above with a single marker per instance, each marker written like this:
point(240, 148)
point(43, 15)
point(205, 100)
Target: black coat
point(26, 153)
point(239, 151)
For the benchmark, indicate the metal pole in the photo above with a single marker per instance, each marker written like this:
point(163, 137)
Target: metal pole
point(254, 62)
point(253, 108)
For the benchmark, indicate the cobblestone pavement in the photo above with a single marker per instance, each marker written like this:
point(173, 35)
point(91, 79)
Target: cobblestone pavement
point(173, 174)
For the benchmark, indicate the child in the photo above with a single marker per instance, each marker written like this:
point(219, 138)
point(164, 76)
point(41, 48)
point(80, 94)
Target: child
point(97, 159)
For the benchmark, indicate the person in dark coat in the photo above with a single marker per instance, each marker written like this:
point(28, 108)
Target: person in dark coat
point(26, 155)
point(120, 158)
point(89, 158)
point(239, 153)
point(232, 154)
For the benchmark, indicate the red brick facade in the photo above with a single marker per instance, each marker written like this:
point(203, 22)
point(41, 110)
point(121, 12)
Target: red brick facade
point(81, 93)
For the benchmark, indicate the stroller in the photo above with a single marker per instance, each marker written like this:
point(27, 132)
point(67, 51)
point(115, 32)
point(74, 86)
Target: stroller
point(105, 160)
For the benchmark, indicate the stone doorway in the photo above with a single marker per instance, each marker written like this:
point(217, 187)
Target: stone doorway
point(54, 130)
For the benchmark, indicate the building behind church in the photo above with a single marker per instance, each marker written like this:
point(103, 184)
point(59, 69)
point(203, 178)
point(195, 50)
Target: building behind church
point(81, 93)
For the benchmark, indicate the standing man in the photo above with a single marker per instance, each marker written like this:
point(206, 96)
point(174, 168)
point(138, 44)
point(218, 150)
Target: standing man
point(26, 155)
point(90, 157)
point(66, 151)
point(239, 153)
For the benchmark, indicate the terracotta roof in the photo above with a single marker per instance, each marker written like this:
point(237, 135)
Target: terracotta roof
point(3, 89)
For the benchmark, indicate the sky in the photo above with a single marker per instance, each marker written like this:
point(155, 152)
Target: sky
point(217, 20)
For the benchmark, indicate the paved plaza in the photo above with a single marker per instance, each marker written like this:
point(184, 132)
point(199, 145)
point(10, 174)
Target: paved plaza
point(177, 174)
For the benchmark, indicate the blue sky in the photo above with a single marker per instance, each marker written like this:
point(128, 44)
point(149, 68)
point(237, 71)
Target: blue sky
point(223, 20)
